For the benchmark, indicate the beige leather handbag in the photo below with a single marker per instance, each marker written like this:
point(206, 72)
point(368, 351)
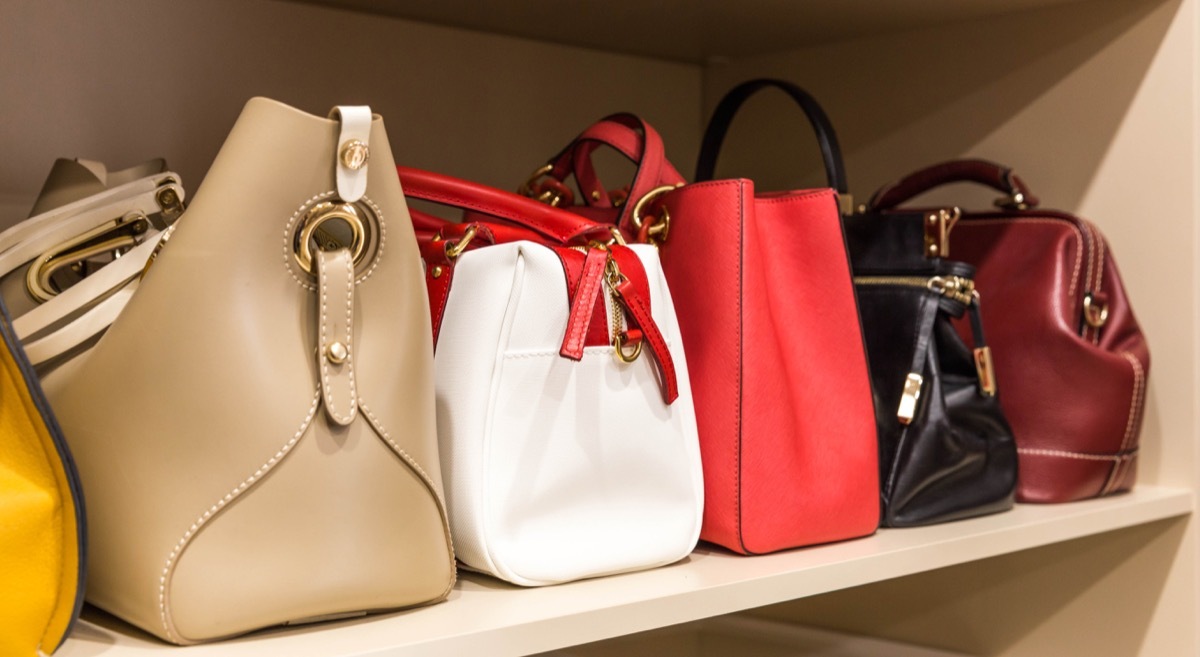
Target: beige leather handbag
point(255, 431)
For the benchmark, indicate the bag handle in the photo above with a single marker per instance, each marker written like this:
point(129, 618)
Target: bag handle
point(997, 176)
point(558, 225)
point(718, 126)
point(628, 134)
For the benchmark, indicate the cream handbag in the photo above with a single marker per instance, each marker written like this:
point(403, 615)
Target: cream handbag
point(565, 412)
point(255, 431)
point(68, 270)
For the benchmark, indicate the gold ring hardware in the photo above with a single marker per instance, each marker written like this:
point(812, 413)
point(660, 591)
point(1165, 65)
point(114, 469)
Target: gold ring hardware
point(455, 249)
point(322, 213)
point(535, 190)
point(1015, 200)
point(111, 237)
point(619, 346)
point(354, 154)
point(658, 230)
point(1095, 313)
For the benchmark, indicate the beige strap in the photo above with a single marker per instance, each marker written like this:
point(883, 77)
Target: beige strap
point(335, 333)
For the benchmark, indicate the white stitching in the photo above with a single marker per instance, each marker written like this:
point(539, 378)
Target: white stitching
point(168, 569)
point(326, 384)
point(1083, 456)
point(289, 263)
point(1135, 404)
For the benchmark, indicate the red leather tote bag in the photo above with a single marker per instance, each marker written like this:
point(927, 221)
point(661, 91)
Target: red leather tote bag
point(762, 288)
point(1070, 359)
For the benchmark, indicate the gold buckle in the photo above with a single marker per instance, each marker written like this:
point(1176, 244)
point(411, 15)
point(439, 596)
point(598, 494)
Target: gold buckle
point(111, 237)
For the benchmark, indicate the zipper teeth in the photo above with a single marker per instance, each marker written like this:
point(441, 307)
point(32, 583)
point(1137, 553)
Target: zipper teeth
point(615, 309)
point(911, 281)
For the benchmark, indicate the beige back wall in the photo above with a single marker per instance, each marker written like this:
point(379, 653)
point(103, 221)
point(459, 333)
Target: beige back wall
point(123, 81)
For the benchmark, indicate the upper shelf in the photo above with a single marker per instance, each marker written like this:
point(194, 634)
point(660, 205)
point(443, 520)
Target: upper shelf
point(486, 617)
point(697, 31)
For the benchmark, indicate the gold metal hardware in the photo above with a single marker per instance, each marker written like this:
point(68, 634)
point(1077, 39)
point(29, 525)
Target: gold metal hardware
point(170, 203)
point(937, 231)
point(437, 271)
point(908, 399)
point(437, 238)
point(661, 226)
point(162, 242)
point(959, 288)
point(1095, 313)
point(320, 214)
point(1015, 200)
point(354, 154)
point(596, 195)
point(111, 237)
point(455, 249)
point(619, 349)
point(551, 197)
point(337, 353)
point(985, 370)
point(846, 204)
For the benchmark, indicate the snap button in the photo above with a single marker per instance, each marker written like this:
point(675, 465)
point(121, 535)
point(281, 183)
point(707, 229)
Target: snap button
point(337, 353)
point(354, 154)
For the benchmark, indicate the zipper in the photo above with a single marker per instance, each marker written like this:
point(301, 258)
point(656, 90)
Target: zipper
point(960, 289)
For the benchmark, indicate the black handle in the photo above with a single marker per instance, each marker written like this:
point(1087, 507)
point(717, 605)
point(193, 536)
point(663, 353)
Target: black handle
point(718, 125)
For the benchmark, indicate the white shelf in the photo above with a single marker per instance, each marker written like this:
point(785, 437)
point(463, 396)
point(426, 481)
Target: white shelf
point(486, 617)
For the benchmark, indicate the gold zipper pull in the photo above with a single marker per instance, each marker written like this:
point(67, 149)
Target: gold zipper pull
point(908, 399)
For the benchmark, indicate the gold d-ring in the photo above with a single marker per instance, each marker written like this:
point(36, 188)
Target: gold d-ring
point(1095, 313)
point(657, 233)
point(321, 213)
point(619, 345)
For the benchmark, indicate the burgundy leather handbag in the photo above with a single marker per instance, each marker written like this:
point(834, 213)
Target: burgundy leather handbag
point(1070, 359)
point(762, 288)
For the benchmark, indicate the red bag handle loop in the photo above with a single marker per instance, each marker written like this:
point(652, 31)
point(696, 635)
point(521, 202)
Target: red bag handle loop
point(558, 225)
point(997, 176)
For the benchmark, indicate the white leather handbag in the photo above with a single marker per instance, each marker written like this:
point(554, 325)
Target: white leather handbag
point(565, 417)
point(68, 270)
point(255, 431)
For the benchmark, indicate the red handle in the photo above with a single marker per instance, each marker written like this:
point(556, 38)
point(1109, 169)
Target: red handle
point(558, 225)
point(634, 138)
point(996, 176)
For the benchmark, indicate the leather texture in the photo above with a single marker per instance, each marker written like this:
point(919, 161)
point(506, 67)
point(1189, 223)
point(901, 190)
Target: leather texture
point(561, 461)
point(42, 520)
point(761, 283)
point(1075, 394)
point(226, 497)
point(558, 469)
point(956, 458)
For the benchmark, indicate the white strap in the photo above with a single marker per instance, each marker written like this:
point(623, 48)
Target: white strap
point(110, 277)
point(353, 150)
point(82, 328)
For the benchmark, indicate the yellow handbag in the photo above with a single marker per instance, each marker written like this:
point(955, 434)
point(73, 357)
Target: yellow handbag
point(41, 513)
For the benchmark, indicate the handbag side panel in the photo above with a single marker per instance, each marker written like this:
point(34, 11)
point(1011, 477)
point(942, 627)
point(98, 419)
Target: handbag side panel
point(702, 259)
point(809, 451)
point(1074, 396)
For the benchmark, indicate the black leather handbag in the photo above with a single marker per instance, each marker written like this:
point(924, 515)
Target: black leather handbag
point(946, 451)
